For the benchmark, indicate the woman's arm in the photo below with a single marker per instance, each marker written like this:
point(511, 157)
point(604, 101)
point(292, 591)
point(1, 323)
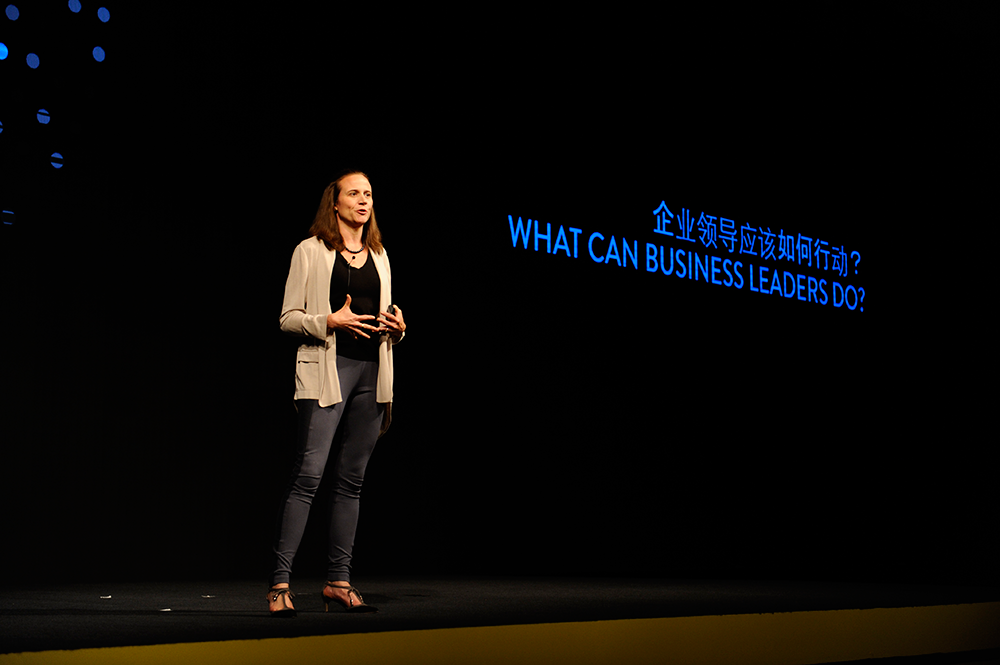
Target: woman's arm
point(294, 319)
point(391, 323)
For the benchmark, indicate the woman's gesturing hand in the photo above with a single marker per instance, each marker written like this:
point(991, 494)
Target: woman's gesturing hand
point(345, 319)
point(393, 323)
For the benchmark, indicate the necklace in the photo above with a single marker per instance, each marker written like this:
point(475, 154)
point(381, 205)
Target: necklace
point(353, 252)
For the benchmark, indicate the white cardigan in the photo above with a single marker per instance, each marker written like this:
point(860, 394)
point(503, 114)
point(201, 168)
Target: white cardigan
point(304, 312)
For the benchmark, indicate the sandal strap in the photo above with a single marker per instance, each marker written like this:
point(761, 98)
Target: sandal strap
point(274, 594)
point(349, 589)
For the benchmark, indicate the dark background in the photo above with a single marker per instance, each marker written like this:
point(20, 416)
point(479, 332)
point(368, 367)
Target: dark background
point(551, 415)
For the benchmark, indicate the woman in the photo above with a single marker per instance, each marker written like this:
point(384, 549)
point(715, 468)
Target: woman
point(343, 377)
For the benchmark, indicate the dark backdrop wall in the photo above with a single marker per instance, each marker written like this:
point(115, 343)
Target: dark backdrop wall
point(553, 415)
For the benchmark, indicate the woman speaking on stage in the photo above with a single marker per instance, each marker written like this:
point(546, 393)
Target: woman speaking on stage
point(338, 297)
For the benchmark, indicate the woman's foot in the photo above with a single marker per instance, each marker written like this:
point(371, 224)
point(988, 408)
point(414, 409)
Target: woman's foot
point(348, 597)
point(279, 601)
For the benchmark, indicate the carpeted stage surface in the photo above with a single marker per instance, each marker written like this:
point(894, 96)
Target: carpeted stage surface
point(544, 620)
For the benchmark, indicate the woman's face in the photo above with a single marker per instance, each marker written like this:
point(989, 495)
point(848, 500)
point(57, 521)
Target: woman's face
point(354, 204)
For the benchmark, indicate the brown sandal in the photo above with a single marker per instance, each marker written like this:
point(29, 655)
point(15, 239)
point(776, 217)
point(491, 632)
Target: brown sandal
point(349, 606)
point(286, 610)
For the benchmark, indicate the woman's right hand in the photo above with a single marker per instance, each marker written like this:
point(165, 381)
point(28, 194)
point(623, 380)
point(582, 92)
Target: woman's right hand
point(345, 319)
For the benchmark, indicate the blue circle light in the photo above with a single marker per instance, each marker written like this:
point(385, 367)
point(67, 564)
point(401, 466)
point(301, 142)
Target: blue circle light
point(1, 128)
point(98, 54)
point(3, 51)
point(12, 12)
point(32, 60)
point(57, 160)
point(104, 14)
point(74, 6)
point(43, 116)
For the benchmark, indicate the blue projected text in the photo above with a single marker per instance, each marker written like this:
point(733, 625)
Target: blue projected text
point(750, 247)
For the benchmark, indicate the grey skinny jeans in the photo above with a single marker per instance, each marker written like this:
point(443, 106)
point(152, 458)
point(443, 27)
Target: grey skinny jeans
point(360, 417)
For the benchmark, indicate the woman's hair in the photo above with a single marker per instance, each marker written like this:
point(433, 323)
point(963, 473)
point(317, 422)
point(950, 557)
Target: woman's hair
point(325, 226)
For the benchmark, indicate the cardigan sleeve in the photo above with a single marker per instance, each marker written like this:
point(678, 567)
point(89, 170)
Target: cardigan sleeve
point(294, 319)
point(388, 293)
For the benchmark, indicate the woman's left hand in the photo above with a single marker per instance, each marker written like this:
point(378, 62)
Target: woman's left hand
point(393, 323)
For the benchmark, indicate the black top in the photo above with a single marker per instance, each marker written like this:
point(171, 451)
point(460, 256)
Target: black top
point(364, 286)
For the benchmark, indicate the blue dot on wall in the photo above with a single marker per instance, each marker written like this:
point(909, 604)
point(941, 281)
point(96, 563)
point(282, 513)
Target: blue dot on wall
point(57, 160)
point(74, 6)
point(98, 54)
point(43, 116)
point(3, 51)
point(103, 14)
point(12, 12)
point(32, 60)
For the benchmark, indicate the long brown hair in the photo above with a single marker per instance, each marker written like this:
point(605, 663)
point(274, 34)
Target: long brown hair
point(325, 226)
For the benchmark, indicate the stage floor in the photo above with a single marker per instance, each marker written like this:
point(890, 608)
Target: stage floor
point(90, 616)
